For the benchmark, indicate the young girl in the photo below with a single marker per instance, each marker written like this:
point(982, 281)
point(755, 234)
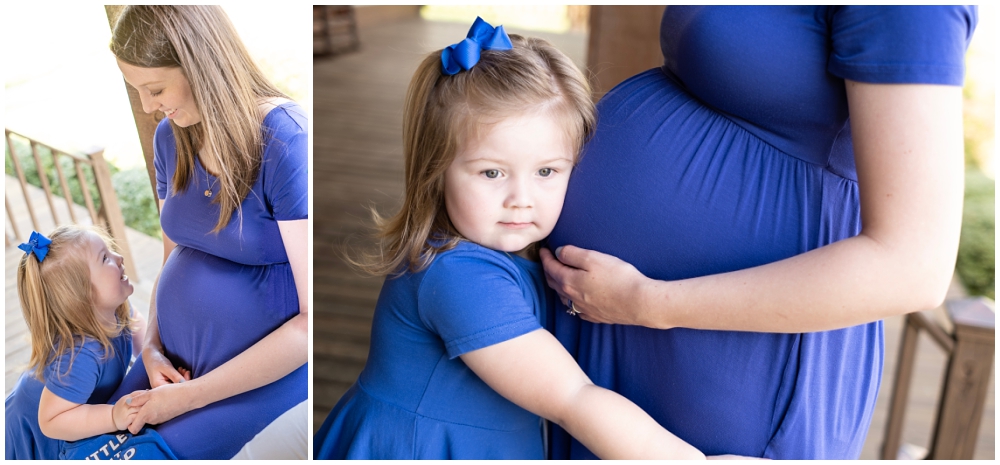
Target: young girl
point(460, 366)
point(73, 292)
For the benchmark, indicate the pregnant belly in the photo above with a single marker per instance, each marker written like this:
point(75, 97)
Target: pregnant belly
point(679, 191)
point(210, 309)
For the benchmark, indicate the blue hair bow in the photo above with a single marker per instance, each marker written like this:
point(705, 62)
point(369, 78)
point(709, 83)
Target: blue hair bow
point(38, 244)
point(465, 54)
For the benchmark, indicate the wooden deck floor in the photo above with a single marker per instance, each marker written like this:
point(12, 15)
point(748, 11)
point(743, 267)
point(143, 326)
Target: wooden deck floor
point(358, 164)
point(147, 252)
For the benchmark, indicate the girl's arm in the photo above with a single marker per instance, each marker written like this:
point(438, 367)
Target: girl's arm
point(59, 418)
point(158, 367)
point(270, 359)
point(910, 165)
point(535, 372)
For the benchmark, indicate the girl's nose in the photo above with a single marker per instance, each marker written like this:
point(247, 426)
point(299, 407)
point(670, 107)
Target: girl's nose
point(519, 195)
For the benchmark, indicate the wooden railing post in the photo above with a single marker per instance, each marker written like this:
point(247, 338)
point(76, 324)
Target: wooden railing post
point(21, 178)
point(961, 408)
point(969, 343)
point(110, 212)
point(900, 391)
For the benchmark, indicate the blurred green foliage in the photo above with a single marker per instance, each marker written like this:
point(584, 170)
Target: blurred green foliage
point(138, 204)
point(976, 265)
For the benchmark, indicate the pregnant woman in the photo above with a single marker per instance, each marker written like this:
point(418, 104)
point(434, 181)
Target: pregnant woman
point(788, 178)
point(226, 349)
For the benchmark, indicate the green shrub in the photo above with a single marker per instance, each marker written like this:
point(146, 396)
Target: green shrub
point(138, 205)
point(976, 264)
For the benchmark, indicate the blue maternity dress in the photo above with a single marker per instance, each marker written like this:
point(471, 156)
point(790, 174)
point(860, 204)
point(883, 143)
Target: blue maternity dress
point(221, 293)
point(91, 379)
point(734, 154)
point(415, 399)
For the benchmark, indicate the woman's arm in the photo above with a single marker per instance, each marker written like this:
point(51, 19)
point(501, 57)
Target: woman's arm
point(138, 333)
point(158, 367)
point(535, 372)
point(910, 164)
point(276, 355)
point(59, 418)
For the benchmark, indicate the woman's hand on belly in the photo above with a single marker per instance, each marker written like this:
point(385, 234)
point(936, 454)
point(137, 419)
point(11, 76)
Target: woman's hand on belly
point(602, 288)
point(159, 369)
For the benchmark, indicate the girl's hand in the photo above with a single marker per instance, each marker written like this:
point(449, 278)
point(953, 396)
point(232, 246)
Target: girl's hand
point(122, 413)
point(159, 368)
point(158, 405)
point(603, 288)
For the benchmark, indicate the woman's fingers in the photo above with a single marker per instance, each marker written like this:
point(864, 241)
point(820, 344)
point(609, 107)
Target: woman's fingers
point(137, 424)
point(160, 370)
point(556, 273)
point(575, 257)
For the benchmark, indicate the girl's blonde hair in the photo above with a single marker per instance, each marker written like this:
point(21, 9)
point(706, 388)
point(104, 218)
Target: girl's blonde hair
point(225, 82)
point(57, 299)
point(443, 113)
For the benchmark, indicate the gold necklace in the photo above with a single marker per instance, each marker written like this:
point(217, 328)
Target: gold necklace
point(208, 192)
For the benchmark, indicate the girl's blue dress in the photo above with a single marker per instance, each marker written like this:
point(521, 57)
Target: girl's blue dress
point(734, 154)
point(221, 293)
point(91, 379)
point(415, 398)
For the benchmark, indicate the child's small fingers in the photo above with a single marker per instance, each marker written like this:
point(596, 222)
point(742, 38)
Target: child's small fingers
point(137, 399)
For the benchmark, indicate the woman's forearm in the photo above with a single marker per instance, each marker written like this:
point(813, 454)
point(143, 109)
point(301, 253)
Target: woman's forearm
point(847, 283)
point(276, 355)
point(152, 339)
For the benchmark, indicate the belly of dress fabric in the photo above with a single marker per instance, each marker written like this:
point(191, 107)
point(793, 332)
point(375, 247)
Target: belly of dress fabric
point(679, 191)
point(210, 309)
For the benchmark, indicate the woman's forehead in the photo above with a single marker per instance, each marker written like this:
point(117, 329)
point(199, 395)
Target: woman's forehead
point(138, 76)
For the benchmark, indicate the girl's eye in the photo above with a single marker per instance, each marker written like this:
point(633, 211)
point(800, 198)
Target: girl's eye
point(492, 174)
point(545, 172)
point(154, 94)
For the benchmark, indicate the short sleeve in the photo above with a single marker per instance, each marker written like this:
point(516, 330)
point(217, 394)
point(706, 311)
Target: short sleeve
point(285, 164)
point(901, 44)
point(164, 152)
point(80, 382)
point(472, 302)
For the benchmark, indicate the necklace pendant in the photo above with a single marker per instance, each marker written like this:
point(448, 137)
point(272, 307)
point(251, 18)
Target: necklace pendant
point(208, 192)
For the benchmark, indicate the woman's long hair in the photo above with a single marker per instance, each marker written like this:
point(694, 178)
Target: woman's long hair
point(57, 300)
point(443, 113)
point(225, 82)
